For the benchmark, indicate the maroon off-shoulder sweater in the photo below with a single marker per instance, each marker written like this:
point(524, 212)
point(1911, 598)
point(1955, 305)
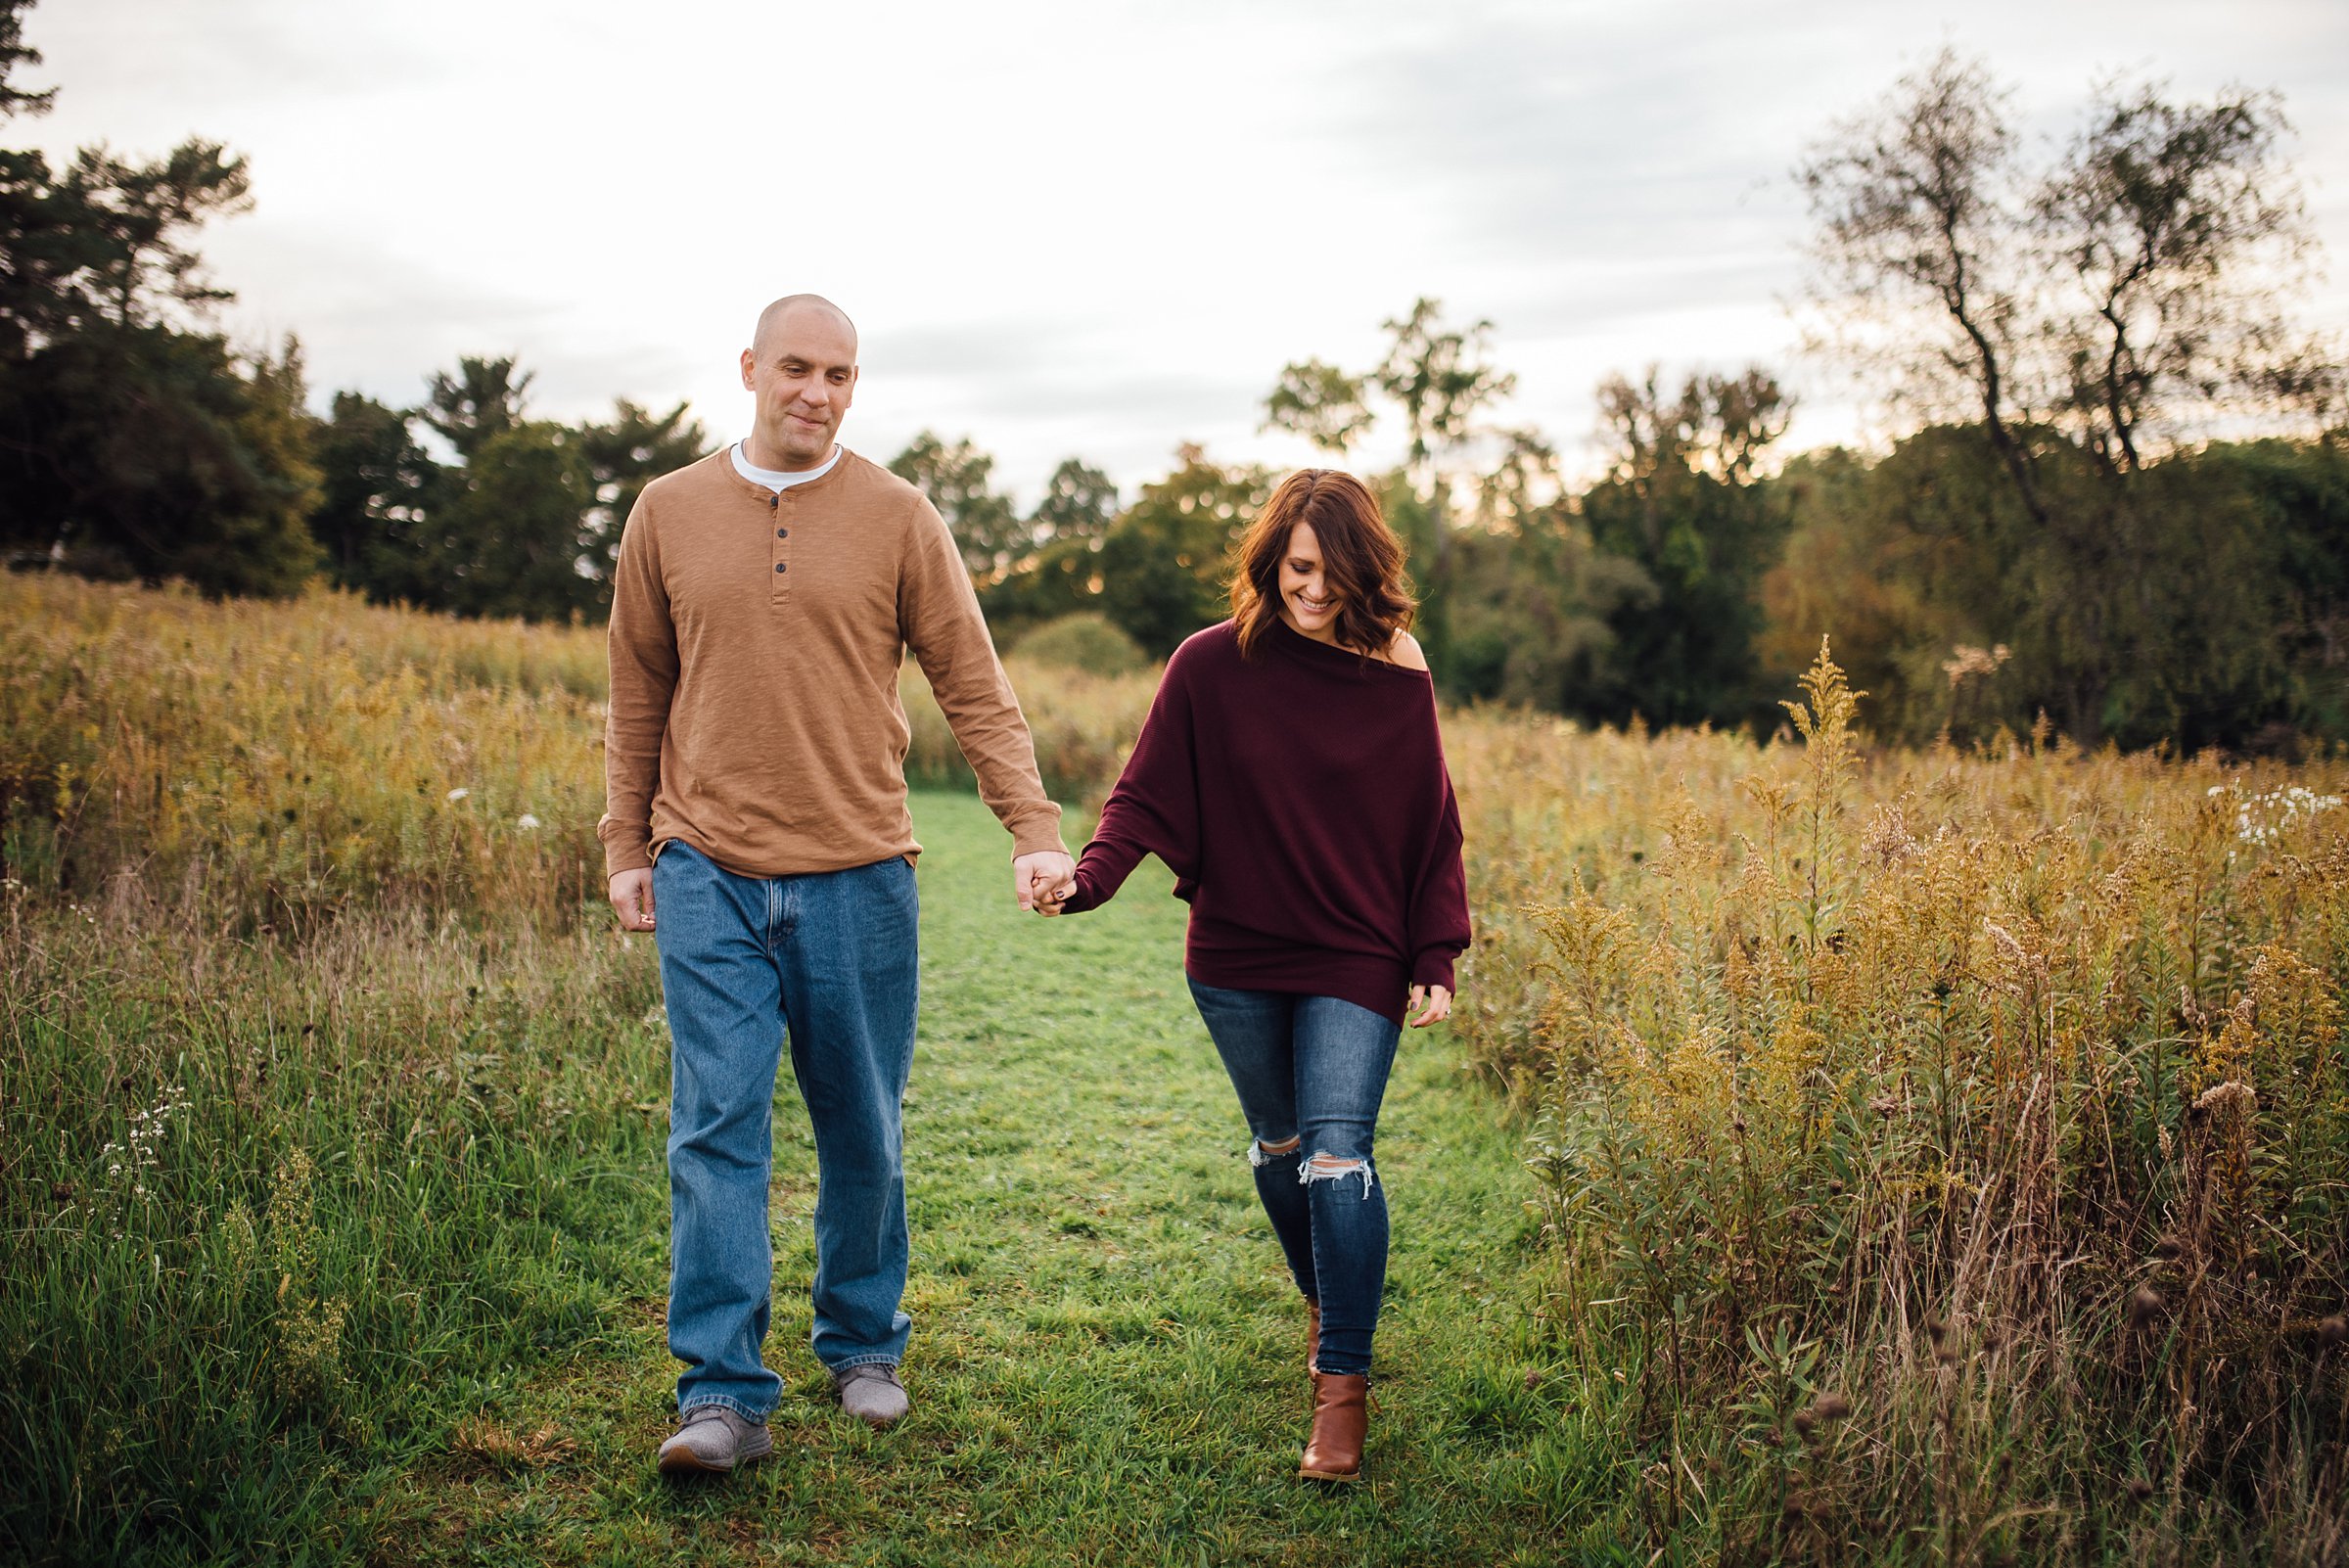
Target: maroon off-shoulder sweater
point(1301, 798)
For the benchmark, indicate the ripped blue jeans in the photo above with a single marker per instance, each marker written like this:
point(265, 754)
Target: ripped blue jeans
point(1310, 1072)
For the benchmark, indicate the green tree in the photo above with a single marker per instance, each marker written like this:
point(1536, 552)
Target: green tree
point(1534, 606)
point(1855, 570)
point(1441, 378)
point(1079, 503)
point(623, 454)
point(1321, 403)
point(2128, 293)
point(1680, 502)
point(1927, 567)
point(146, 452)
point(1062, 577)
point(958, 480)
point(2172, 222)
point(130, 444)
point(1165, 566)
point(2300, 494)
point(483, 400)
point(14, 52)
point(527, 525)
point(513, 536)
point(376, 485)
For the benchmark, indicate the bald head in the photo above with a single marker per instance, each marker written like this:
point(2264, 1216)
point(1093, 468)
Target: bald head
point(793, 306)
point(800, 370)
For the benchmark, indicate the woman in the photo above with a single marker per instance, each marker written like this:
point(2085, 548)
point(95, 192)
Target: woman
point(1291, 774)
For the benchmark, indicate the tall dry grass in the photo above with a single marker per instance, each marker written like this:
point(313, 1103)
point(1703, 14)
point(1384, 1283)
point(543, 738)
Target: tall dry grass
point(281, 764)
point(284, 764)
point(1952, 1150)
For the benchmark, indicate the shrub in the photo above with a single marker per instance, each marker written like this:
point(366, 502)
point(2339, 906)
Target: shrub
point(1084, 641)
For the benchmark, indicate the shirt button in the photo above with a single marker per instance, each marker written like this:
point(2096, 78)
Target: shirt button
point(778, 566)
point(782, 534)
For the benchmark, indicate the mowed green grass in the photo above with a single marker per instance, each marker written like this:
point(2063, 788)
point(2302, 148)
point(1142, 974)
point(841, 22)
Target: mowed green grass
point(1105, 1365)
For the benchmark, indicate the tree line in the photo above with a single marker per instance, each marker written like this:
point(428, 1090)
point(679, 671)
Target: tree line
point(2120, 506)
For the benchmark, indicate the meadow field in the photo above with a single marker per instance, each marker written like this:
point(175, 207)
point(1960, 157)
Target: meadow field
point(1841, 1154)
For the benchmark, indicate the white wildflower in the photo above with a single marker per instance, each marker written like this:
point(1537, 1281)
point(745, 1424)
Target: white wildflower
point(147, 1128)
point(526, 822)
point(2264, 818)
point(459, 793)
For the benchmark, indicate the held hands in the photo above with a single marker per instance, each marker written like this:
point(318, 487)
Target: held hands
point(1043, 880)
point(632, 897)
point(1433, 1004)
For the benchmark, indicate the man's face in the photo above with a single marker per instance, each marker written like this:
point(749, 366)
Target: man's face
point(802, 376)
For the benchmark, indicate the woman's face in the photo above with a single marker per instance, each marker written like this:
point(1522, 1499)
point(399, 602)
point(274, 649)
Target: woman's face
point(1308, 602)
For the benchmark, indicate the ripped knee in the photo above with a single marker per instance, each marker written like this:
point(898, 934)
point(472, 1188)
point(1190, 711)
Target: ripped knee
point(1261, 1152)
point(1337, 1167)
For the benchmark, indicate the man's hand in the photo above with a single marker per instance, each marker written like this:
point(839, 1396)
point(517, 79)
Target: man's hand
point(1044, 879)
point(1433, 1003)
point(632, 897)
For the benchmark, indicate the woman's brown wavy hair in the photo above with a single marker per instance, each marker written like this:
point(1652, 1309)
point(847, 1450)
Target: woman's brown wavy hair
point(1361, 558)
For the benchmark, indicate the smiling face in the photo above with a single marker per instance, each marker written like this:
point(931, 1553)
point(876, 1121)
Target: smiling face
point(802, 372)
point(1320, 560)
point(1308, 602)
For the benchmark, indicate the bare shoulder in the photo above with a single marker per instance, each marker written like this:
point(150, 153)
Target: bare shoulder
point(1405, 651)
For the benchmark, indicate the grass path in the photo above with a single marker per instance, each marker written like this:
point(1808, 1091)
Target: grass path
point(1105, 1364)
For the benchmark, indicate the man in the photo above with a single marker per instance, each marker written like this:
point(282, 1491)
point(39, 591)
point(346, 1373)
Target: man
point(754, 756)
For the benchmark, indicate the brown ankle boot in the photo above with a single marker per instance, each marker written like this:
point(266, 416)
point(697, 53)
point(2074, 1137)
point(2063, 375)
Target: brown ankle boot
point(1341, 1420)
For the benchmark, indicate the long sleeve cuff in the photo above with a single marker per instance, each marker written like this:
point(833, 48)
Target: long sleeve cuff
point(627, 846)
point(1086, 897)
point(1433, 967)
point(1037, 831)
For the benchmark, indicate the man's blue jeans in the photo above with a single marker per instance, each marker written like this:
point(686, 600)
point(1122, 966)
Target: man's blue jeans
point(832, 959)
point(1310, 1072)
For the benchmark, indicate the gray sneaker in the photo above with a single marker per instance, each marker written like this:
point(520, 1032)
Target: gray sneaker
point(712, 1439)
point(871, 1393)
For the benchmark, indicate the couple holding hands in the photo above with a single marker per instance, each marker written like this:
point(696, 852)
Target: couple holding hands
point(1289, 772)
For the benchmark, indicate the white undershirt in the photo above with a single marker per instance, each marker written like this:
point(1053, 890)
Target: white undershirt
point(778, 480)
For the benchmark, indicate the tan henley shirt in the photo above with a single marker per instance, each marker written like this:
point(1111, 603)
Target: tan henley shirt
point(756, 641)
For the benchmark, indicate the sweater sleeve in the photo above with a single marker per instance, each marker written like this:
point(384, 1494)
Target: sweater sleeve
point(938, 616)
point(642, 643)
point(1439, 912)
point(1154, 810)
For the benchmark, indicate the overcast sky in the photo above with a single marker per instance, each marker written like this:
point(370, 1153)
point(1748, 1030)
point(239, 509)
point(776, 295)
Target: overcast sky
point(1095, 229)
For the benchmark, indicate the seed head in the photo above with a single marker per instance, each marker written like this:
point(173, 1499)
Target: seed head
point(1831, 1407)
point(2145, 1305)
point(1804, 1422)
point(2333, 1330)
point(2140, 1488)
point(1533, 1379)
point(2168, 1247)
